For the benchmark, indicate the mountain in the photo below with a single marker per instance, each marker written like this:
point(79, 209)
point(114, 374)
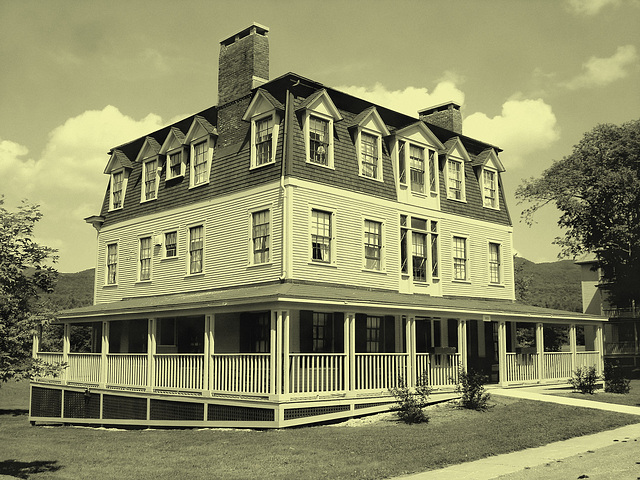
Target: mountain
point(551, 285)
point(73, 290)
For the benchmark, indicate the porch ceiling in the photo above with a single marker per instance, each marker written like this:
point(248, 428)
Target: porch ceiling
point(307, 295)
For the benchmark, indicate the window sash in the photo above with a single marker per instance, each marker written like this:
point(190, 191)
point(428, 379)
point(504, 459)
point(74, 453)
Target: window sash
point(455, 179)
point(145, 258)
point(320, 326)
point(494, 263)
point(321, 236)
point(419, 246)
point(460, 258)
point(373, 245)
point(416, 155)
point(196, 246)
point(171, 244)
point(263, 140)
point(318, 140)
point(260, 236)
point(150, 176)
point(200, 163)
point(374, 326)
point(175, 164)
point(118, 179)
point(402, 166)
point(489, 184)
point(369, 155)
point(112, 263)
point(435, 267)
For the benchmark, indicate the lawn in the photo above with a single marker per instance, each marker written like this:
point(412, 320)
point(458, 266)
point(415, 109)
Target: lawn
point(632, 398)
point(368, 450)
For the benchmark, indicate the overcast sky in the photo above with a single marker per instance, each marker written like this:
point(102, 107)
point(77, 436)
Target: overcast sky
point(78, 78)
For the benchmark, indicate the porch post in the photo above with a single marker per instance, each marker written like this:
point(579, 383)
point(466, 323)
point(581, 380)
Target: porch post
point(346, 343)
point(600, 347)
point(278, 353)
point(352, 351)
point(206, 361)
point(502, 352)
point(104, 351)
point(462, 343)
point(414, 362)
point(540, 350)
point(272, 350)
point(151, 351)
point(410, 380)
point(35, 347)
point(573, 346)
point(285, 352)
point(66, 347)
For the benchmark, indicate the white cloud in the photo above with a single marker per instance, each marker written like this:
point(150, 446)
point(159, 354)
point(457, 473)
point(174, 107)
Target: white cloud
point(589, 7)
point(599, 72)
point(523, 127)
point(67, 180)
point(409, 100)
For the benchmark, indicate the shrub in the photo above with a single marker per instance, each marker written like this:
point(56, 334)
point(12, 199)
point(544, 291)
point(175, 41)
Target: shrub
point(411, 401)
point(471, 390)
point(584, 379)
point(614, 378)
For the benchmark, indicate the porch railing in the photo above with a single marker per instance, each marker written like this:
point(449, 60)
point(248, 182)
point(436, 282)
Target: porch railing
point(241, 372)
point(84, 367)
point(379, 371)
point(441, 368)
point(557, 365)
point(587, 359)
point(522, 367)
point(53, 357)
point(179, 371)
point(127, 369)
point(316, 372)
point(620, 348)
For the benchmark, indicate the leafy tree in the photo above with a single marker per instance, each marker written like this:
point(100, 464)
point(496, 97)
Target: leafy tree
point(24, 276)
point(597, 189)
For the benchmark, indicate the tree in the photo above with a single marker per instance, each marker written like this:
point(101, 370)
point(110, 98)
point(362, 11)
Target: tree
point(597, 190)
point(25, 273)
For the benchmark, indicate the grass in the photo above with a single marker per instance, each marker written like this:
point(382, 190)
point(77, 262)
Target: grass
point(632, 398)
point(368, 451)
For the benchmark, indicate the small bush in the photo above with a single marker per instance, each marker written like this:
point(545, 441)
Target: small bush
point(584, 379)
point(471, 389)
point(614, 378)
point(411, 401)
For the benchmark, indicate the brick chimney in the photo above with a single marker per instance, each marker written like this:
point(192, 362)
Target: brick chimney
point(446, 115)
point(243, 63)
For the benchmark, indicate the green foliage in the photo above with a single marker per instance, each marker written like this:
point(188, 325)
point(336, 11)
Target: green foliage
point(597, 189)
point(472, 392)
point(411, 401)
point(614, 378)
point(25, 274)
point(584, 380)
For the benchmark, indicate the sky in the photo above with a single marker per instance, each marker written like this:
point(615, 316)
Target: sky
point(79, 78)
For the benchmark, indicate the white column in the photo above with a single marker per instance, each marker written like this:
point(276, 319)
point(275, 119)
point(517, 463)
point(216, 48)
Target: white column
point(462, 343)
point(278, 353)
point(272, 351)
point(573, 346)
point(347, 355)
point(207, 373)
point(104, 351)
point(285, 351)
point(502, 352)
point(35, 347)
point(600, 348)
point(66, 347)
point(151, 352)
point(540, 350)
point(414, 360)
point(411, 376)
point(352, 352)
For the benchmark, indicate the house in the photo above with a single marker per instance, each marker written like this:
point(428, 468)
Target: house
point(291, 254)
point(622, 331)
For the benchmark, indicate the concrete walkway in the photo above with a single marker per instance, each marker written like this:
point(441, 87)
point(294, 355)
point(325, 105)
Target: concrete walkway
point(534, 463)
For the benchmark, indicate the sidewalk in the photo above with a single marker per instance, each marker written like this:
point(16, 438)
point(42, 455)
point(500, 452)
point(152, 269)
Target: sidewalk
point(558, 459)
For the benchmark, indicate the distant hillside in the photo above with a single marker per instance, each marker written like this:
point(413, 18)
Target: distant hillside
point(551, 285)
point(73, 290)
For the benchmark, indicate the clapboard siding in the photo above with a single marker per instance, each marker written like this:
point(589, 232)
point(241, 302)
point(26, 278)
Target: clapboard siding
point(226, 250)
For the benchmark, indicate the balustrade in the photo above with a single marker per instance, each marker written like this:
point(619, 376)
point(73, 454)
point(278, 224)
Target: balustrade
point(127, 369)
point(241, 372)
point(521, 367)
point(318, 372)
point(557, 365)
point(380, 371)
point(179, 371)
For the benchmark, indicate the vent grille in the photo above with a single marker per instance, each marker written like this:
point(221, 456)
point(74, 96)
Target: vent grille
point(46, 402)
point(124, 408)
point(372, 404)
point(167, 410)
point(81, 405)
point(226, 413)
point(293, 413)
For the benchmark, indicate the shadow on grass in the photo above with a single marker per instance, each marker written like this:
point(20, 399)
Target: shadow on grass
point(16, 412)
point(24, 469)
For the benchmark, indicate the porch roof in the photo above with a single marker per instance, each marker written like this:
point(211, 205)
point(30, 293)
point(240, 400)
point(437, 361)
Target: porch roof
point(314, 296)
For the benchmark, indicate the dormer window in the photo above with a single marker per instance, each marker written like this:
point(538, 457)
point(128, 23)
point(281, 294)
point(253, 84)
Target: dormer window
point(199, 164)
point(150, 176)
point(118, 168)
point(173, 148)
point(455, 179)
point(416, 154)
point(319, 140)
point(264, 141)
point(490, 188)
point(417, 159)
point(369, 130)
point(175, 164)
point(201, 140)
point(488, 166)
point(454, 169)
point(117, 197)
point(264, 113)
point(369, 155)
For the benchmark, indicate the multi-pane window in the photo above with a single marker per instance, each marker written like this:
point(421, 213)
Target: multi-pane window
point(404, 245)
point(416, 154)
point(402, 163)
point(420, 249)
point(318, 140)
point(433, 171)
point(418, 240)
point(175, 164)
point(116, 189)
point(196, 248)
point(459, 258)
point(494, 263)
point(260, 236)
point(150, 179)
point(322, 332)
point(435, 266)
point(374, 327)
point(321, 236)
point(200, 163)
point(171, 244)
point(455, 179)
point(263, 140)
point(369, 155)
point(112, 263)
point(372, 245)
point(145, 258)
point(490, 188)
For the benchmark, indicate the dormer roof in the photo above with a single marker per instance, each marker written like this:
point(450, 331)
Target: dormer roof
point(200, 127)
point(488, 157)
point(370, 118)
point(117, 161)
point(454, 147)
point(321, 101)
point(262, 102)
point(175, 139)
point(150, 148)
point(419, 129)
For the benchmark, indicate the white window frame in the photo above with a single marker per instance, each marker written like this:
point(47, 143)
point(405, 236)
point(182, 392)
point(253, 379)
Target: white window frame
point(204, 249)
point(332, 236)
point(106, 262)
point(140, 239)
point(274, 138)
point(145, 167)
point(484, 187)
point(307, 135)
point(462, 189)
point(207, 163)
point(382, 266)
point(171, 152)
point(467, 273)
point(500, 266)
point(434, 238)
point(378, 138)
point(431, 235)
point(164, 243)
point(123, 191)
point(251, 214)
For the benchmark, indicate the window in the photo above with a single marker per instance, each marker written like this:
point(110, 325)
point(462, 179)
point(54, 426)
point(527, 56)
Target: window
point(420, 238)
point(199, 165)
point(374, 327)
point(175, 165)
point(321, 332)
point(319, 140)
point(145, 259)
point(369, 155)
point(263, 141)
point(117, 181)
point(416, 154)
point(435, 267)
point(455, 180)
point(171, 244)
point(419, 243)
point(150, 175)
point(490, 189)
point(321, 236)
point(260, 236)
point(196, 248)
point(166, 334)
point(112, 263)
point(404, 245)
point(255, 332)
point(459, 258)
point(402, 163)
point(372, 245)
point(494, 263)
point(433, 172)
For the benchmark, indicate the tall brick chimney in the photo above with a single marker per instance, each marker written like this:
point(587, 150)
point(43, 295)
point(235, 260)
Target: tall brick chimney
point(446, 115)
point(243, 63)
